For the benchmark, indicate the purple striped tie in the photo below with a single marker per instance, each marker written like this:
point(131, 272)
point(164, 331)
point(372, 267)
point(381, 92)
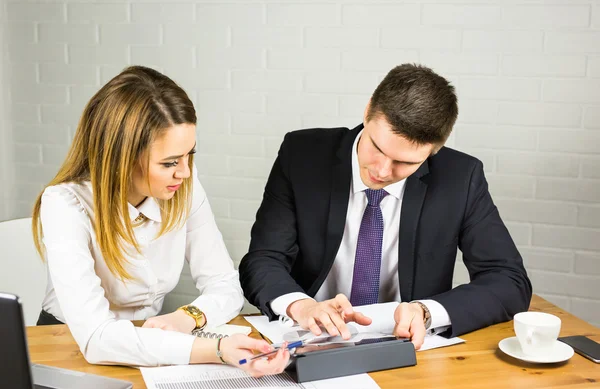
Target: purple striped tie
point(367, 264)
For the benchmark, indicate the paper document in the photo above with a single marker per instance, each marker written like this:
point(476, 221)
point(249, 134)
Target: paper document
point(277, 333)
point(229, 377)
point(273, 330)
point(436, 341)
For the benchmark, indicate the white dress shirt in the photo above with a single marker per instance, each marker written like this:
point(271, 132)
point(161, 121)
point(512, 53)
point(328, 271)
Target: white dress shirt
point(339, 279)
point(98, 307)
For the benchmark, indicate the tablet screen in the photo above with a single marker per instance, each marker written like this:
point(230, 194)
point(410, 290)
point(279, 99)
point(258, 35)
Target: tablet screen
point(324, 344)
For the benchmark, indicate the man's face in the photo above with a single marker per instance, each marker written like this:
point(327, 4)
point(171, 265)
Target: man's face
point(384, 157)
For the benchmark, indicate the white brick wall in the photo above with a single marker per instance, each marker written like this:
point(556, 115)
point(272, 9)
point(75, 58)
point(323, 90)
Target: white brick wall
point(7, 160)
point(527, 75)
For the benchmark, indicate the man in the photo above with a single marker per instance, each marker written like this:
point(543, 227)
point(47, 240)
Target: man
point(375, 215)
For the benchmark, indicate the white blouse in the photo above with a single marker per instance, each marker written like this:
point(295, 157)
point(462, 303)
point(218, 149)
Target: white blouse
point(98, 307)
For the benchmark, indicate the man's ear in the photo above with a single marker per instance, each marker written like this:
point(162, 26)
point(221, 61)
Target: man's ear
point(435, 149)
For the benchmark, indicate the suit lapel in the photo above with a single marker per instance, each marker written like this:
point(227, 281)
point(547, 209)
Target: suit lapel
point(341, 178)
point(412, 202)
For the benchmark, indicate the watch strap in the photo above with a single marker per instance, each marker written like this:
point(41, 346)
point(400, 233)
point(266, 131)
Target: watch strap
point(426, 314)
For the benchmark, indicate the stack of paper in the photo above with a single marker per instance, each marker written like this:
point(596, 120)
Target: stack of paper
point(228, 377)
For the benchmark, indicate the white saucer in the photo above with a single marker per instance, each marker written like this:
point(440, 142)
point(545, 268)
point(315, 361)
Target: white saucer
point(560, 352)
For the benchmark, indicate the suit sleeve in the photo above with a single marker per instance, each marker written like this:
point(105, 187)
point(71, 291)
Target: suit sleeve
point(265, 270)
point(499, 286)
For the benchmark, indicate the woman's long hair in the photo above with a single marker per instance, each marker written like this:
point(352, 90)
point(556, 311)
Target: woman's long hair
point(113, 136)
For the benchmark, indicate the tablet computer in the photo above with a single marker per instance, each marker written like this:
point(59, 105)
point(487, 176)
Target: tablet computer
point(316, 361)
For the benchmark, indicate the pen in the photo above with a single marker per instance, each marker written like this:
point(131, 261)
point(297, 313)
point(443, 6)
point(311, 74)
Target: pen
point(289, 346)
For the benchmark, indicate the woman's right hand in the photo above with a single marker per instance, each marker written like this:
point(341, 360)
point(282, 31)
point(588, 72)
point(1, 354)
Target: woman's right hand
point(238, 346)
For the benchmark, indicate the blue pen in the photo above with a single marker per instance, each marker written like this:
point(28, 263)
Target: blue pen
point(289, 346)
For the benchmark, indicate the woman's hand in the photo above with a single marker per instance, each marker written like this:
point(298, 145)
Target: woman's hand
point(237, 347)
point(175, 321)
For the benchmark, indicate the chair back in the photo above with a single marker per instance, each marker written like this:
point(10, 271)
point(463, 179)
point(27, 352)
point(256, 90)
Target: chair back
point(22, 272)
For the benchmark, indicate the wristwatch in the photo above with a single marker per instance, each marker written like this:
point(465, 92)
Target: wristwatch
point(196, 314)
point(426, 314)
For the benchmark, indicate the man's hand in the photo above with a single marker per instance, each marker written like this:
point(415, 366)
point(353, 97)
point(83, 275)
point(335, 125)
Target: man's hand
point(332, 314)
point(175, 321)
point(409, 323)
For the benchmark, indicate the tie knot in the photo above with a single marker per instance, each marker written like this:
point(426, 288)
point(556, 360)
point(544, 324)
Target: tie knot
point(374, 196)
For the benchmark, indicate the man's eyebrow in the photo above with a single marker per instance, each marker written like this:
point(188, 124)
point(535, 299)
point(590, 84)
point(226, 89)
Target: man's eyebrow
point(404, 162)
point(377, 147)
point(178, 156)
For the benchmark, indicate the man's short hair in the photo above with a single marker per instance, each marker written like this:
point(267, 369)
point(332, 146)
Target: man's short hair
point(419, 104)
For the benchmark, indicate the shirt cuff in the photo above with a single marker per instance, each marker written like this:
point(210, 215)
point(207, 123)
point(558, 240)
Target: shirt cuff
point(218, 312)
point(171, 347)
point(281, 303)
point(439, 315)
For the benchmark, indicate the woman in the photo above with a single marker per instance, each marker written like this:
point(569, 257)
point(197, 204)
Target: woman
point(116, 223)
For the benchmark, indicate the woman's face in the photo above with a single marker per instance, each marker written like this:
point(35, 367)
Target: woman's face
point(168, 165)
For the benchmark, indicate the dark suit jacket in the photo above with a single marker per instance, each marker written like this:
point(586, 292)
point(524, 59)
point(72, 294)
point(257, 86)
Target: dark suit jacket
point(446, 205)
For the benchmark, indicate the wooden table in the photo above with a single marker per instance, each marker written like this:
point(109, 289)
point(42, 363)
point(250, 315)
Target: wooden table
point(478, 363)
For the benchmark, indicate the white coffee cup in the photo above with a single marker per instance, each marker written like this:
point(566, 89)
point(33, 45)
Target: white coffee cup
point(537, 332)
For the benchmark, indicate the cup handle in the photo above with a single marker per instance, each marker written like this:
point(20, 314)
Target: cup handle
point(529, 337)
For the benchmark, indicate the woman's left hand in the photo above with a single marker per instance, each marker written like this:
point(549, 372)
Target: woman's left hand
point(175, 321)
point(238, 346)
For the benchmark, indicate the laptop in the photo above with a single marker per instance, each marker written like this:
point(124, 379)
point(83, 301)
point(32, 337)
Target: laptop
point(15, 369)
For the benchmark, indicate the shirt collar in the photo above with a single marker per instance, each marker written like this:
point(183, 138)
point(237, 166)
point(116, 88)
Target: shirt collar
point(148, 208)
point(358, 185)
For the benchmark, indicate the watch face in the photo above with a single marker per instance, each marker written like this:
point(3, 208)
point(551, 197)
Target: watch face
point(194, 310)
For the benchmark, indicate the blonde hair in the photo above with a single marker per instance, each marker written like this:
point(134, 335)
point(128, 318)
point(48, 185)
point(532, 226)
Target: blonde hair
point(114, 133)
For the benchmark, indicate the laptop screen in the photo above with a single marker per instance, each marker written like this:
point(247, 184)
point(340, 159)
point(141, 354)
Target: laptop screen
point(14, 358)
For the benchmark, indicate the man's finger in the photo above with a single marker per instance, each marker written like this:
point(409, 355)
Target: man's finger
point(344, 304)
point(417, 332)
point(404, 318)
point(325, 320)
point(359, 318)
point(313, 327)
point(339, 322)
point(401, 333)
